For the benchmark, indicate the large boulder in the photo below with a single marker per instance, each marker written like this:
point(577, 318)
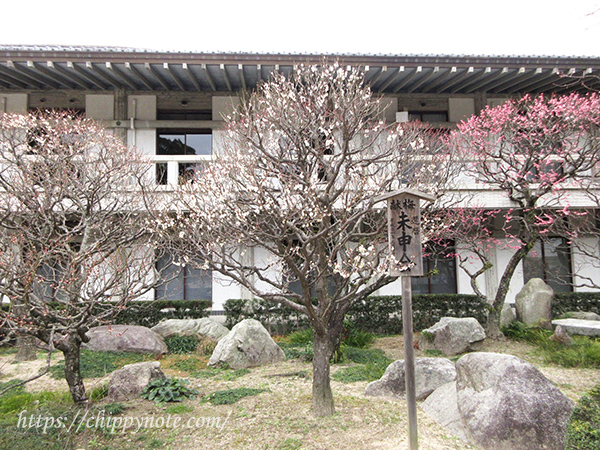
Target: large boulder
point(505, 403)
point(203, 328)
point(430, 373)
point(581, 315)
point(453, 336)
point(129, 382)
point(248, 344)
point(125, 338)
point(442, 407)
point(534, 303)
point(508, 316)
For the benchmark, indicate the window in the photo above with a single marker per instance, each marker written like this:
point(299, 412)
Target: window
point(550, 260)
point(428, 116)
point(182, 282)
point(177, 142)
point(442, 269)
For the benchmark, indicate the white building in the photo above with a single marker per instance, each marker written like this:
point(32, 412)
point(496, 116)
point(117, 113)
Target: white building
point(167, 104)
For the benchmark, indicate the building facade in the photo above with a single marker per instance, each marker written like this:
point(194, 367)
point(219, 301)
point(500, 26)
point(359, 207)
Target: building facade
point(172, 106)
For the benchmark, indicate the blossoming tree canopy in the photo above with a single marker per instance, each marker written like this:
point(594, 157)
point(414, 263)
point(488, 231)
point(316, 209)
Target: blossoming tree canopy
point(287, 209)
point(533, 151)
point(73, 230)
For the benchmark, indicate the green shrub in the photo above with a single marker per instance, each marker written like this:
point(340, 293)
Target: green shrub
point(98, 364)
point(300, 337)
point(163, 390)
point(575, 301)
point(99, 392)
point(229, 396)
point(182, 344)
point(114, 409)
point(583, 432)
point(377, 314)
point(354, 337)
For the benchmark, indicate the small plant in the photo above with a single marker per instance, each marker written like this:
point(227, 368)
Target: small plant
point(182, 344)
point(99, 392)
point(303, 352)
point(354, 337)
point(163, 390)
point(300, 337)
point(114, 409)
point(583, 432)
point(230, 396)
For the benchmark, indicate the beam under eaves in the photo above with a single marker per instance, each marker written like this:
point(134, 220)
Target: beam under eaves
point(155, 73)
point(10, 71)
point(98, 72)
point(557, 85)
point(549, 80)
point(86, 75)
point(489, 76)
point(490, 83)
point(208, 77)
point(578, 81)
point(10, 79)
point(525, 76)
point(390, 79)
point(456, 80)
point(407, 79)
point(224, 73)
point(37, 75)
point(138, 75)
point(242, 76)
point(423, 80)
point(120, 75)
point(174, 76)
point(191, 76)
point(438, 80)
point(373, 81)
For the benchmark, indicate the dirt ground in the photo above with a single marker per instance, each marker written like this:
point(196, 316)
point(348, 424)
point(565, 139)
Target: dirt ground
point(280, 417)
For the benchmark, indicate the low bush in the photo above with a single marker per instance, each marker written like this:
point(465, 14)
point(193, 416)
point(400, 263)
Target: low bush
point(182, 344)
point(575, 301)
point(162, 390)
point(583, 432)
point(377, 314)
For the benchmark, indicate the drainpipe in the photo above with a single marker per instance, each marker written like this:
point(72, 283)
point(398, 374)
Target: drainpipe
point(132, 121)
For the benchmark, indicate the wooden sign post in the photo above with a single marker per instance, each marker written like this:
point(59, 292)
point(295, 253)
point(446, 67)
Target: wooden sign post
point(404, 232)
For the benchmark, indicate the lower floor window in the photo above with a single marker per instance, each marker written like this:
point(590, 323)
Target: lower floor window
point(182, 282)
point(440, 264)
point(550, 260)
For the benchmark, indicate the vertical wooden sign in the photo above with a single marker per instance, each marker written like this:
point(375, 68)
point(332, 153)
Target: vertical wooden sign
point(404, 231)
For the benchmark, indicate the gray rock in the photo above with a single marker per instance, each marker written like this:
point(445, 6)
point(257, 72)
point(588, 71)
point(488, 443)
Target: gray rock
point(508, 316)
point(561, 336)
point(430, 374)
point(442, 407)
point(125, 338)
point(248, 344)
point(203, 328)
point(505, 403)
point(534, 303)
point(579, 327)
point(453, 336)
point(581, 315)
point(129, 382)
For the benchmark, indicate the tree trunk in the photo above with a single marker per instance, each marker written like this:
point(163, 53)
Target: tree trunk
point(493, 325)
point(26, 350)
point(322, 397)
point(71, 349)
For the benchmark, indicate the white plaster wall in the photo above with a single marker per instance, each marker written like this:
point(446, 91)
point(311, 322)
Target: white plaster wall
point(100, 106)
point(460, 109)
point(13, 103)
point(585, 261)
point(143, 108)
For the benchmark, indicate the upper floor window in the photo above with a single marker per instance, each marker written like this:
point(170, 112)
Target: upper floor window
point(440, 264)
point(550, 260)
point(182, 143)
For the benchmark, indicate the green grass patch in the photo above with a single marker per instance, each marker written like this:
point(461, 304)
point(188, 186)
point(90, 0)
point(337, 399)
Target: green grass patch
point(179, 409)
point(182, 344)
point(584, 352)
point(370, 365)
point(583, 432)
point(230, 396)
point(190, 364)
point(220, 373)
point(301, 351)
point(98, 364)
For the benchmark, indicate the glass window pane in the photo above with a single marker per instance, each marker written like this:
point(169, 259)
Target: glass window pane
point(198, 284)
point(558, 265)
point(444, 281)
point(199, 144)
point(533, 266)
point(171, 144)
point(172, 289)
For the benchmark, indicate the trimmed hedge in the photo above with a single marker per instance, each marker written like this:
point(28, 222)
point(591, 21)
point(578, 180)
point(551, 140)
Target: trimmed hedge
point(149, 313)
point(380, 314)
point(575, 301)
